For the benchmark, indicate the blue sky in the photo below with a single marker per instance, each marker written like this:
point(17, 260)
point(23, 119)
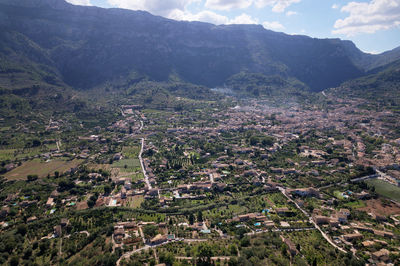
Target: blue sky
point(373, 25)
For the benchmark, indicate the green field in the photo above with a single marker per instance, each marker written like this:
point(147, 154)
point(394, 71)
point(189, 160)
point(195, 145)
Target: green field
point(385, 189)
point(127, 165)
point(138, 176)
point(42, 169)
point(7, 154)
point(131, 152)
point(135, 201)
point(355, 204)
point(11, 154)
point(338, 194)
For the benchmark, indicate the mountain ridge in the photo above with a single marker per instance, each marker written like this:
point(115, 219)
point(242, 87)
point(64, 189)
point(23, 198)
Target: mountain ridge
point(90, 46)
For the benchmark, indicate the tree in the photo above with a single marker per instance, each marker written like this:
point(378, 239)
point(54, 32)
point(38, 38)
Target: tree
point(14, 261)
point(233, 250)
point(191, 219)
point(245, 241)
point(284, 250)
point(150, 231)
point(168, 258)
point(92, 201)
point(65, 185)
point(27, 253)
point(36, 143)
point(22, 229)
point(107, 189)
point(314, 263)
point(31, 178)
point(204, 254)
point(200, 216)
point(253, 140)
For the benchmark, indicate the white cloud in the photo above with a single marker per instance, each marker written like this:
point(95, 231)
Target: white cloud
point(243, 19)
point(278, 6)
point(177, 9)
point(212, 17)
point(368, 17)
point(228, 4)
point(80, 2)
point(273, 25)
point(204, 16)
point(372, 52)
point(335, 6)
point(291, 13)
point(158, 7)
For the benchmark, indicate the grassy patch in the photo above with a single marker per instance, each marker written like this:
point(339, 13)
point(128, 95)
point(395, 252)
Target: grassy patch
point(135, 201)
point(355, 204)
point(127, 165)
point(6, 154)
point(42, 169)
point(11, 154)
point(338, 194)
point(94, 166)
point(137, 177)
point(385, 189)
point(130, 152)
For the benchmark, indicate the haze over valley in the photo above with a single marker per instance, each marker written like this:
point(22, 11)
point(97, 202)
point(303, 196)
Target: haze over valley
point(128, 138)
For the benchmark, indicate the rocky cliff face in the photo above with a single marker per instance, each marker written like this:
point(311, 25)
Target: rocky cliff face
point(88, 46)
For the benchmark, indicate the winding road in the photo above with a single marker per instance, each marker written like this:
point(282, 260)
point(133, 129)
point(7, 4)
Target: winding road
point(283, 191)
point(146, 177)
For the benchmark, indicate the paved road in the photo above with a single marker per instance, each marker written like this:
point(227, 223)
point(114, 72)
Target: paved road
point(146, 247)
point(365, 178)
point(212, 258)
point(283, 191)
point(282, 230)
point(195, 240)
point(146, 177)
point(141, 125)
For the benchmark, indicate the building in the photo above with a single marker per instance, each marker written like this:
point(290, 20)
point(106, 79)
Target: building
point(31, 219)
point(305, 192)
point(354, 236)
point(292, 250)
point(50, 202)
point(384, 233)
point(276, 170)
point(283, 211)
point(64, 222)
point(82, 206)
point(5, 210)
point(158, 239)
point(319, 219)
point(381, 255)
point(345, 212)
point(119, 234)
point(341, 218)
point(57, 231)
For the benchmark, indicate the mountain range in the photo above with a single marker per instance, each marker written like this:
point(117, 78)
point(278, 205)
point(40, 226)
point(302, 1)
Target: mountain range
point(59, 44)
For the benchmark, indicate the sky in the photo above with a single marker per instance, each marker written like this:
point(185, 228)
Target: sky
point(373, 25)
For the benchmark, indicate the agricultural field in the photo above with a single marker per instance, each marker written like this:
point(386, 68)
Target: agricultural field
point(12, 154)
point(127, 165)
point(385, 189)
point(41, 169)
point(7, 154)
point(135, 201)
point(130, 152)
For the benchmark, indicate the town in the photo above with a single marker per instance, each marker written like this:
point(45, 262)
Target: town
point(244, 183)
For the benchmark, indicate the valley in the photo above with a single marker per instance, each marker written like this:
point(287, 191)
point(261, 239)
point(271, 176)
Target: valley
point(210, 183)
point(132, 139)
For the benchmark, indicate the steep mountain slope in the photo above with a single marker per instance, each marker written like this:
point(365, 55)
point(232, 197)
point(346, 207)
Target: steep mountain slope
point(369, 62)
point(381, 86)
point(88, 46)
